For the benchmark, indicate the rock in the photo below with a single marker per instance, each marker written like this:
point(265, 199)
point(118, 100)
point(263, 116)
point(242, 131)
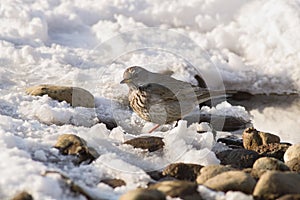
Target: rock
point(290, 197)
point(231, 141)
point(150, 143)
point(69, 144)
point(274, 184)
point(275, 150)
point(255, 173)
point(210, 171)
point(182, 171)
point(232, 180)
point(294, 164)
point(114, 182)
point(267, 163)
point(253, 138)
point(182, 189)
point(238, 158)
point(23, 196)
point(143, 194)
point(73, 95)
point(155, 175)
point(292, 152)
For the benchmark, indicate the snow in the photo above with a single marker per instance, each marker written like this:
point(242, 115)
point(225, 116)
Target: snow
point(242, 45)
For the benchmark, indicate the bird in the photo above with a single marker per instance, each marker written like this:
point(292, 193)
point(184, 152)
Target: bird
point(161, 99)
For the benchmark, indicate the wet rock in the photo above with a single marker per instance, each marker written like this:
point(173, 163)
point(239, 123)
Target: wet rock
point(253, 138)
point(210, 171)
point(290, 197)
point(114, 182)
point(292, 152)
point(274, 184)
point(275, 150)
point(143, 194)
point(73, 95)
point(69, 144)
point(23, 196)
point(229, 141)
point(267, 163)
point(155, 175)
point(238, 158)
point(294, 164)
point(182, 189)
point(182, 171)
point(232, 180)
point(150, 143)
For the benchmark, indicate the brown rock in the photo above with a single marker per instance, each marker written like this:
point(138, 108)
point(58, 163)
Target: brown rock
point(182, 189)
point(143, 194)
point(255, 173)
point(294, 164)
point(114, 182)
point(232, 180)
point(23, 196)
point(210, 171)
point(150, 143)
point(69, 144)
point(292, 152)
point(73, 95)
point(253, 138)
point(266, 163)
point(182, 171)
point(238, 158)
point(275, 150)
point(275, 184)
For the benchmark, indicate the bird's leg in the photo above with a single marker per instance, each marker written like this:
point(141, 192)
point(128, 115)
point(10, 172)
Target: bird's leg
point(154, 128)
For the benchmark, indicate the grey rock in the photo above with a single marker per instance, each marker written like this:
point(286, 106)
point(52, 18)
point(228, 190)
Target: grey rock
point(267, 163)
point(275, 184)
point(232, 180)
point(210, 171)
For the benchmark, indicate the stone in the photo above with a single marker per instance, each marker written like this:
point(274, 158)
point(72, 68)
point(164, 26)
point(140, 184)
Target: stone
point(69, 144)
point(253, 138)
point(210, 171)
point(182, 171)
point(255, 173)
point(273, 184)
point(143, 194)
point(231, 141)
point(23, 196)
point(149, 143)
point(182, 189)
point(294, 164)
point(292, 152)
point(114, 182)
point(238, 158)
point(290, 197)
point(75, 96)
point(275, 150)
point(232, 181)
point(266, 163)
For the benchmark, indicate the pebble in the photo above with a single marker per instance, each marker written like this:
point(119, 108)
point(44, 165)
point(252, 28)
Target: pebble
point(267, 163)
point(232, 181)
point(143, 194)
point(210, 171)
point(238, 158)
point(77, 97)
point(149, 143)
point(274, 184)
point(182, 171)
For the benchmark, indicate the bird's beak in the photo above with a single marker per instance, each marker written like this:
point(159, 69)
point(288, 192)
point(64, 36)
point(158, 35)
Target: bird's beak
point(125, 81)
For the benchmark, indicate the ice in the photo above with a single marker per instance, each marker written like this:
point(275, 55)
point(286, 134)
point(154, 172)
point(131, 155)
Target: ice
point(241, 45)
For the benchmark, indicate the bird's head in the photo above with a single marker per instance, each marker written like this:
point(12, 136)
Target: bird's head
point(135, 76)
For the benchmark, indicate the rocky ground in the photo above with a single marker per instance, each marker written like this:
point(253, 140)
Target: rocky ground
point(258, 165)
